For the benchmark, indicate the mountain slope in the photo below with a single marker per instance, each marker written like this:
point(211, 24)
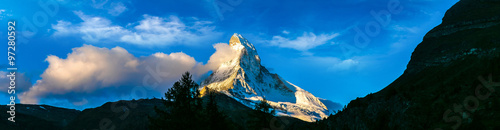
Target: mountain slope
point(449, 82)
point(246, 80)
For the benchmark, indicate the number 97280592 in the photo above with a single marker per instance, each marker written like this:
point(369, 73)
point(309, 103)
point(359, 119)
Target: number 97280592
point(12, 42)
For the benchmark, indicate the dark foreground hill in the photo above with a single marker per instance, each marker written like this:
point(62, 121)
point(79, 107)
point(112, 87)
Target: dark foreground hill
point(133, 114)
point(449, 83)
point(37, 117)
point(130, 115)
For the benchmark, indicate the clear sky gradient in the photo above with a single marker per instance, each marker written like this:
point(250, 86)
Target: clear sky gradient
point(335, 49)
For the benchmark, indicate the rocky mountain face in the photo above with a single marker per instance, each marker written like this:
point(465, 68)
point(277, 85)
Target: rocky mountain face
point(449, 83)
point(246, 80)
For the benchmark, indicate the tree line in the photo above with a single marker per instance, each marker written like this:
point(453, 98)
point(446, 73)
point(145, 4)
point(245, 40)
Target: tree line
point(185, 110)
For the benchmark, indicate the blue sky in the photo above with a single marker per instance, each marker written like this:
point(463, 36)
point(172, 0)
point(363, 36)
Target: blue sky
point(335, 49)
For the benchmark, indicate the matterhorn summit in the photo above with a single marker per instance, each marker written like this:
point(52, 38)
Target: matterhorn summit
point(246, 80)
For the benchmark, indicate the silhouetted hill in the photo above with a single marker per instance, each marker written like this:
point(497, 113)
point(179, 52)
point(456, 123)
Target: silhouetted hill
point(116, 115)
point(133, 114)
point(439, 88)
point(37, 117)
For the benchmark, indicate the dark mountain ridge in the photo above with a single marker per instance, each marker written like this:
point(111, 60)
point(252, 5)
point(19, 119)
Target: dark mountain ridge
point(124, 114)
point(449, 82)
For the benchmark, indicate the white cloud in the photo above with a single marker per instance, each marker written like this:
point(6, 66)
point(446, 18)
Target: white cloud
point(303, 43)
point(84, 70)
point(403, 29)
point(98, 4)
point(344, 65)
point(62, 27)
point(91, 72)
point(223, 53)
point(331, 63)
point(164, 31)
point(151, 30)
point(92, 29)
point(117, 9)
point(285, 32)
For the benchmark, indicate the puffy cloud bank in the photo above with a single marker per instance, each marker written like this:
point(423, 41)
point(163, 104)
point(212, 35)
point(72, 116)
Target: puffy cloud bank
point(90, 73)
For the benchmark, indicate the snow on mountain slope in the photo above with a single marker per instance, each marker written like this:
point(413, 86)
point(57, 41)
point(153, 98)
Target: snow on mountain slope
point(246, 80)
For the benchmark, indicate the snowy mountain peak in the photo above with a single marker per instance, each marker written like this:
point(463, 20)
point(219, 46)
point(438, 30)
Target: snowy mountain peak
point(246, 80)
point(248, 57)
point(237, 39)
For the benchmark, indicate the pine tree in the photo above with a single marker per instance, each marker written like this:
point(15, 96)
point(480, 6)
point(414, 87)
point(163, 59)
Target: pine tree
point(215, 118)
point(261, 115)
point(184, 107)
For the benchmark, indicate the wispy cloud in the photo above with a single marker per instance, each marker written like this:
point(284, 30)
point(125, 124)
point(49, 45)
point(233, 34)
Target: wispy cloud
point(117, 9)
point(344, 65)
point(331, 63)
point(411, 30)
point(285, 32)
point(98, 4)
point(92, 29)
point(307, 41)
point(151, 30)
